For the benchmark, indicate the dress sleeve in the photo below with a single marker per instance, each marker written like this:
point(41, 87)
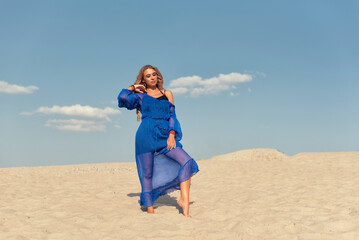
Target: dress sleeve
point(128, 99)
point(174, 123)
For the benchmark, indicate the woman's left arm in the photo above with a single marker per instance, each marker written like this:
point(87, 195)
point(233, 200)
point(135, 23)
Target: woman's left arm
point(169, 95)
point(171, 142)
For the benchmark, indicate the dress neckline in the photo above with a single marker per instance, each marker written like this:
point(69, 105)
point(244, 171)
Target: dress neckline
point(163, 97)
point(159, 96)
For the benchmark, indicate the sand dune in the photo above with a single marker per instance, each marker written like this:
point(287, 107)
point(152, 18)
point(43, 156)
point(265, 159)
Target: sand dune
point(251, 194)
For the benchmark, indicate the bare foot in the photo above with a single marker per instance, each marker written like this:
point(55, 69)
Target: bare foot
point(185, 207)
point(150, 210)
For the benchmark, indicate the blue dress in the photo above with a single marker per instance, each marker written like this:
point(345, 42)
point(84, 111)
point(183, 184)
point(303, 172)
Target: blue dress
point(160, 170)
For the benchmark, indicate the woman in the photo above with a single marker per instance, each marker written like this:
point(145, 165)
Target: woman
point(162, 165)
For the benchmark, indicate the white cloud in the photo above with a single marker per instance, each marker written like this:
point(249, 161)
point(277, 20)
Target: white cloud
point(76, 125)
point(16, 89)
point(179, 90)
point(261, 74)
point(256, 73)
point(96, 117)
point(186, 81)
point(27, 113)
point(195, 85)
point(78, 110)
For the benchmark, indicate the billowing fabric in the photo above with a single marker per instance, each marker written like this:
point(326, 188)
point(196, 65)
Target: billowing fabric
point(160, 171)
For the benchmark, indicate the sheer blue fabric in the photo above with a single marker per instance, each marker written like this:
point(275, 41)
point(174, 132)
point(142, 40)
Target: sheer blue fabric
point(160, 171)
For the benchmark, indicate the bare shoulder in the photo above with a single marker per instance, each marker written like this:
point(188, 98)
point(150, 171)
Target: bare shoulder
point(169, 95)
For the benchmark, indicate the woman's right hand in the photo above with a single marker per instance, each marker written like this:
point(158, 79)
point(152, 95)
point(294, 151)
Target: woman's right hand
point(140, 88)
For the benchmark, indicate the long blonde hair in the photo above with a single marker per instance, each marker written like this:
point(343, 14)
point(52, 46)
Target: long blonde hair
point(139, 80)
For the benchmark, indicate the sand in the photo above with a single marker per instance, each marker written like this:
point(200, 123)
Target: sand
point(250, 194)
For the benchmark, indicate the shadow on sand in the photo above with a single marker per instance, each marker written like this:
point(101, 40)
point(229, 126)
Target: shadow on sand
point(164, 200)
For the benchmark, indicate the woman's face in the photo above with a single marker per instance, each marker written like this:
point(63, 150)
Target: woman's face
point(150, 77)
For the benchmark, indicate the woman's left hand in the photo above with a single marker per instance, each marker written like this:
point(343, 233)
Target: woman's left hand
point(171, 142)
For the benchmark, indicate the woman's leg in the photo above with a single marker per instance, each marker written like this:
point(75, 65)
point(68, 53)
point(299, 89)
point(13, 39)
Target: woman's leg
point(146, 173)
point(180, 156)
point(184, 201)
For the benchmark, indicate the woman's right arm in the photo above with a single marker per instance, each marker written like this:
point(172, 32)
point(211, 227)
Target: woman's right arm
point(128, 99)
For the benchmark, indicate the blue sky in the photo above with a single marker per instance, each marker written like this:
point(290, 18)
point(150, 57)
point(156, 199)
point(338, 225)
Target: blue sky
point(268, 74)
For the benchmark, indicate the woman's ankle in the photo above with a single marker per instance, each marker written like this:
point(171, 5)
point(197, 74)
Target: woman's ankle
point(150, 209)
